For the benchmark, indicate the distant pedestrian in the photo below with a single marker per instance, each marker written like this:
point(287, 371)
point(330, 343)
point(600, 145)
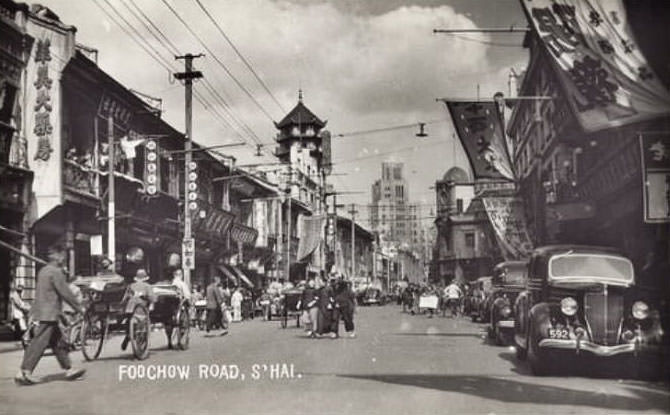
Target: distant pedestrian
point(214, 299)
point(326, 310)
point(236, 303)
point(345, 304)
point(19, 310)
point(51, 290)
point(309, 306)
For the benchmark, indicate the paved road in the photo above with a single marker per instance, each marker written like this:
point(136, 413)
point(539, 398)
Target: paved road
point(397, 364)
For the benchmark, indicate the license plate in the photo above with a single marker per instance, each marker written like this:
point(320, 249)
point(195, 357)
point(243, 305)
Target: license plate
point(562, 334)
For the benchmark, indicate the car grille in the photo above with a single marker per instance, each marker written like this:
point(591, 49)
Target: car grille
point(604, 312)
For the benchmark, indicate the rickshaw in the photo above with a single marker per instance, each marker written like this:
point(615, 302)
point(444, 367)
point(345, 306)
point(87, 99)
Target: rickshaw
point(111, 308)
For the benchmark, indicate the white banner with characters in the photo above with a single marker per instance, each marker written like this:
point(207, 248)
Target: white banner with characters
point(507, 217)
point(607, 78)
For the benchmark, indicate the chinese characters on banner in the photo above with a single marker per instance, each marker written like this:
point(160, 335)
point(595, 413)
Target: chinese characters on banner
point(506, 214)
point(43, 128)
point(607, 79)
point(655, 152)
point(480, 131)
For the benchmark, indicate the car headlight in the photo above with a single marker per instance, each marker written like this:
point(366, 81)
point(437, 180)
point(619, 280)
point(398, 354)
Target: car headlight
point(569, 306)
point(505, 311)
point(640, 310)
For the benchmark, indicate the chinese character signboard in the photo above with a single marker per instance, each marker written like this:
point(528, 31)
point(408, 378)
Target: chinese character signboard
point(607, 79)
point(109, 106)
point(188, 253)
point(480, 131)
point(507, 218)
point(655, 151)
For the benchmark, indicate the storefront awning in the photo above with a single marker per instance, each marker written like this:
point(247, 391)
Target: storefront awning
point(234, 274)
point(243, 277)
point(228, 273)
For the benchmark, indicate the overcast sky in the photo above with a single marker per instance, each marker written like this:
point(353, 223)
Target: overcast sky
point(362, 64)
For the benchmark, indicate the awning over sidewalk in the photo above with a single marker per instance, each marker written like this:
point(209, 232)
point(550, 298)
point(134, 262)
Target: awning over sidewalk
point(234, 274)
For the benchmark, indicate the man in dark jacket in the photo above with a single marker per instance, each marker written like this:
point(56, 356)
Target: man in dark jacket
point(345, 304)
point(214, 301)
point(52, 289)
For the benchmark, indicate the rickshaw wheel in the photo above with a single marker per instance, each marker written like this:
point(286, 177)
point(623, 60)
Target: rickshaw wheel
point(184, 327)
point(93, 332)
point(139, 330)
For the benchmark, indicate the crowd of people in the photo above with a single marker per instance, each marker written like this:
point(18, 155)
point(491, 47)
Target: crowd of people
point(432, 298)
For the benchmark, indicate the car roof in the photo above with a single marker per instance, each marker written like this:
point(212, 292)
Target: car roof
point(585, 249)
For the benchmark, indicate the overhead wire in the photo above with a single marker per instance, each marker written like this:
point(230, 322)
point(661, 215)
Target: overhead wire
point(216, 58)
point(155, 55)
point(385, 129)
point(240, 55)
point(172, 49)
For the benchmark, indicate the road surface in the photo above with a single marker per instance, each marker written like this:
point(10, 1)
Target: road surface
point(398, 363)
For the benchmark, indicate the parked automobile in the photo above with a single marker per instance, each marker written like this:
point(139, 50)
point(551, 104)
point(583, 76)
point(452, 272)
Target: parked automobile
point(581, 301)
point(371, 296)
point(509, 279)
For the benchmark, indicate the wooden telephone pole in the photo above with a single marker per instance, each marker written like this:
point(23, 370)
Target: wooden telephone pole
point(353, 213)
point(188, 76)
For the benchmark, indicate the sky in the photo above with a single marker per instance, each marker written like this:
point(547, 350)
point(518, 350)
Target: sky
point(362, 65)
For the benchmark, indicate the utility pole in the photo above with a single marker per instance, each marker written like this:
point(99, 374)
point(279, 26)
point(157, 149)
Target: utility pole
point(111, 206)
point(353, 213)
point(289, 193)
point(188, 76)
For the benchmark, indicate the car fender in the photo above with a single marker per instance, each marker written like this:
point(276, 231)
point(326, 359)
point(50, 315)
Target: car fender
point(497, 305)
point(539, 319)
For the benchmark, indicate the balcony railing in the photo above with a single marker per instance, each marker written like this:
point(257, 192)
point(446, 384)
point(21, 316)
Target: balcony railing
point(79, 178)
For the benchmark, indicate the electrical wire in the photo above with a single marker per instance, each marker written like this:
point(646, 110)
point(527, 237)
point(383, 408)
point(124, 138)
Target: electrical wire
point(216, 58)
point(239, 54)
point(385, 129)
point(172, 49)
point(485, 42)
point(155, 55)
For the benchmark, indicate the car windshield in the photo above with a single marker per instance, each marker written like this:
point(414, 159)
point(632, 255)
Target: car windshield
point(608, 268)
point(513, 275)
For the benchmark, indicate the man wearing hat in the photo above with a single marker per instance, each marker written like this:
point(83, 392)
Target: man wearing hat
point(51, 290)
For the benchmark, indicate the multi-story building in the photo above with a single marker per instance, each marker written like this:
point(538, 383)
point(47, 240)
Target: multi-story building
point(302, 142)
point(465, 247)
point(584, 183)
point(78, 124)
point(389, 210)
point(15, 46)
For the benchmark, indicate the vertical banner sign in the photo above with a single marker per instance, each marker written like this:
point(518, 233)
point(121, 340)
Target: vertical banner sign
point(188, 253)
point(507, 217)
point(655, 151)
point(310, 237)
point(480, 131)
point(607, 79)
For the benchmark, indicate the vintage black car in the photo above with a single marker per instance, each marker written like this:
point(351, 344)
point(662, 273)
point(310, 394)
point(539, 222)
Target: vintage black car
point(371, 296)
point(509, 279)
point(582, 301)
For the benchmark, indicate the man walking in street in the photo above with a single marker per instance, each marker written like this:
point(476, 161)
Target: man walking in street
point(214, 301)
point(52, 289)
point(345, 304)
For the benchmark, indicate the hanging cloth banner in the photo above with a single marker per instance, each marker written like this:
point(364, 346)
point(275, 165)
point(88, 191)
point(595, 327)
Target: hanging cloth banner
point(607, 79)
point(480, 131)
point(312, 231)
point(507, 217)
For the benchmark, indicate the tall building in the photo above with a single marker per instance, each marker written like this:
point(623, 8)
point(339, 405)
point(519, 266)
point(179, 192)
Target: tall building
point(389, 211)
